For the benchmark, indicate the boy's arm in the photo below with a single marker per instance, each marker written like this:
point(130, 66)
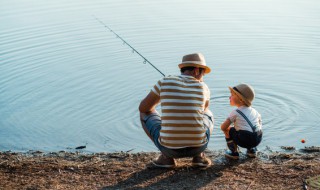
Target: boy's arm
point(225, 125)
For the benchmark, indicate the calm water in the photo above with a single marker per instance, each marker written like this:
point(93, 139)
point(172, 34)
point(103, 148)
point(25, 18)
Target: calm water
point(66, 81)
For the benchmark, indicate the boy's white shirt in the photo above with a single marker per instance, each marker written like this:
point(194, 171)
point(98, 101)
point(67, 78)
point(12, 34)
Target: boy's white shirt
point(240, 123)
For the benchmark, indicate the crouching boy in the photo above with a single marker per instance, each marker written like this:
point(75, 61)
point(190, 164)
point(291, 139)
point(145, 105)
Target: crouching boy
point(246, 131)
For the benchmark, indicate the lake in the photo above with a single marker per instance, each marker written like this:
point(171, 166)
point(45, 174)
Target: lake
point(66, 80)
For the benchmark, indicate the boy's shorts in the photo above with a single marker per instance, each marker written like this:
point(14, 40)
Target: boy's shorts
point(245, 139)
point(152, 124)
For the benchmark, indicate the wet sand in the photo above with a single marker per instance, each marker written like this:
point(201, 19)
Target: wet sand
point(290, 169)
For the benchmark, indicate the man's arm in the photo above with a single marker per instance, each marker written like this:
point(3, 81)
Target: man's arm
point(206, 106)
point(149, 103)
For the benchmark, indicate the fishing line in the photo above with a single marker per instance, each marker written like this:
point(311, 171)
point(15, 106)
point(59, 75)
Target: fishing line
point(124, 42)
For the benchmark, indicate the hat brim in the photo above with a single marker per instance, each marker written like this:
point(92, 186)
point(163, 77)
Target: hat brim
point(206, 68)
point(240, 95)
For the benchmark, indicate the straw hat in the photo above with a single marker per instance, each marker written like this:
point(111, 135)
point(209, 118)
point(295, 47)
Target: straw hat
point(194, 60)
point(245, 92)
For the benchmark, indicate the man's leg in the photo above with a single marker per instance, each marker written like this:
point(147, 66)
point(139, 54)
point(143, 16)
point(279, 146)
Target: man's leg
point(201, 160)
point(208, 120)
point(151, 124)
point(143, 124)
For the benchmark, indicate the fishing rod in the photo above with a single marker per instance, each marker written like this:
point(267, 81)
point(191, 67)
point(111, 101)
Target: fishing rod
point(124, 42)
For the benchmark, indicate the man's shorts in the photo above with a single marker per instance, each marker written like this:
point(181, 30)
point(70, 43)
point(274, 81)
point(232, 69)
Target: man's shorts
point(153, 126)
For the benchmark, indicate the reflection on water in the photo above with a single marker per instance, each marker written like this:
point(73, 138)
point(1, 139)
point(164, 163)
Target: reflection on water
point(67, 81)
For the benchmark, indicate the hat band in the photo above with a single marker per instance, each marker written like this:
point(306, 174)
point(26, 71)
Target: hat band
point(234, 88)
point(194, 62)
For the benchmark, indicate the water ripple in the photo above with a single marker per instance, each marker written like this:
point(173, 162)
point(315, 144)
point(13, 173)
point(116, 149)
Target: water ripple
point(66, 80)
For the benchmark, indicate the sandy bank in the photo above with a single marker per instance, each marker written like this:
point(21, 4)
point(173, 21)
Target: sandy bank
point(125, 170)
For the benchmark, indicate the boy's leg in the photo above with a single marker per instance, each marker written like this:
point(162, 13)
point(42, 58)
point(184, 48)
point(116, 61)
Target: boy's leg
point(230, 143)
point(251, 152)
point(233, 148)
point(246, 140)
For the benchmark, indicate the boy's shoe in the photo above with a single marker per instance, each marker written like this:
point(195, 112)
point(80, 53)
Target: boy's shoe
point(164, 162)
point(232, 155)
point(232, 145)
point(201, 161)
point(252, 152)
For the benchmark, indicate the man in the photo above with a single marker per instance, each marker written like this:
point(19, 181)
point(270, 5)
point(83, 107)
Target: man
point(186, 123)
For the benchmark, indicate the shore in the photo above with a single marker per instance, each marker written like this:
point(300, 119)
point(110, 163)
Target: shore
point(34, 170)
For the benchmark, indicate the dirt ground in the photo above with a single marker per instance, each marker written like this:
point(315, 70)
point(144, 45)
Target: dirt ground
point(124, 170)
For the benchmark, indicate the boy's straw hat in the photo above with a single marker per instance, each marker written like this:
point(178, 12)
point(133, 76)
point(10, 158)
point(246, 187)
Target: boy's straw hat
point(245, 92)
point(194, 60)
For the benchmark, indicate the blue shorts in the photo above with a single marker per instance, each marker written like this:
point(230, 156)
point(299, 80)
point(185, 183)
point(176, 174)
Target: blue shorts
point(152, 124)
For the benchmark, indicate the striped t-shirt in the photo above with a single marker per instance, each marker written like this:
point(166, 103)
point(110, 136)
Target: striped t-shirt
point(182, 105)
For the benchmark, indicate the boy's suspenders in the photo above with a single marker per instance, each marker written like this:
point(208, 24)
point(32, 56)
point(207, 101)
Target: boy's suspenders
point(249, 122)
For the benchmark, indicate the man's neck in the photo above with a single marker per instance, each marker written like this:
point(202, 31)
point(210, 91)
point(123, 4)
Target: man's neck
point(189, 73)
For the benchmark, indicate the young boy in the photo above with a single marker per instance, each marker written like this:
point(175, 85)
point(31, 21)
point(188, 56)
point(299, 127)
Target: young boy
point(247, 126)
